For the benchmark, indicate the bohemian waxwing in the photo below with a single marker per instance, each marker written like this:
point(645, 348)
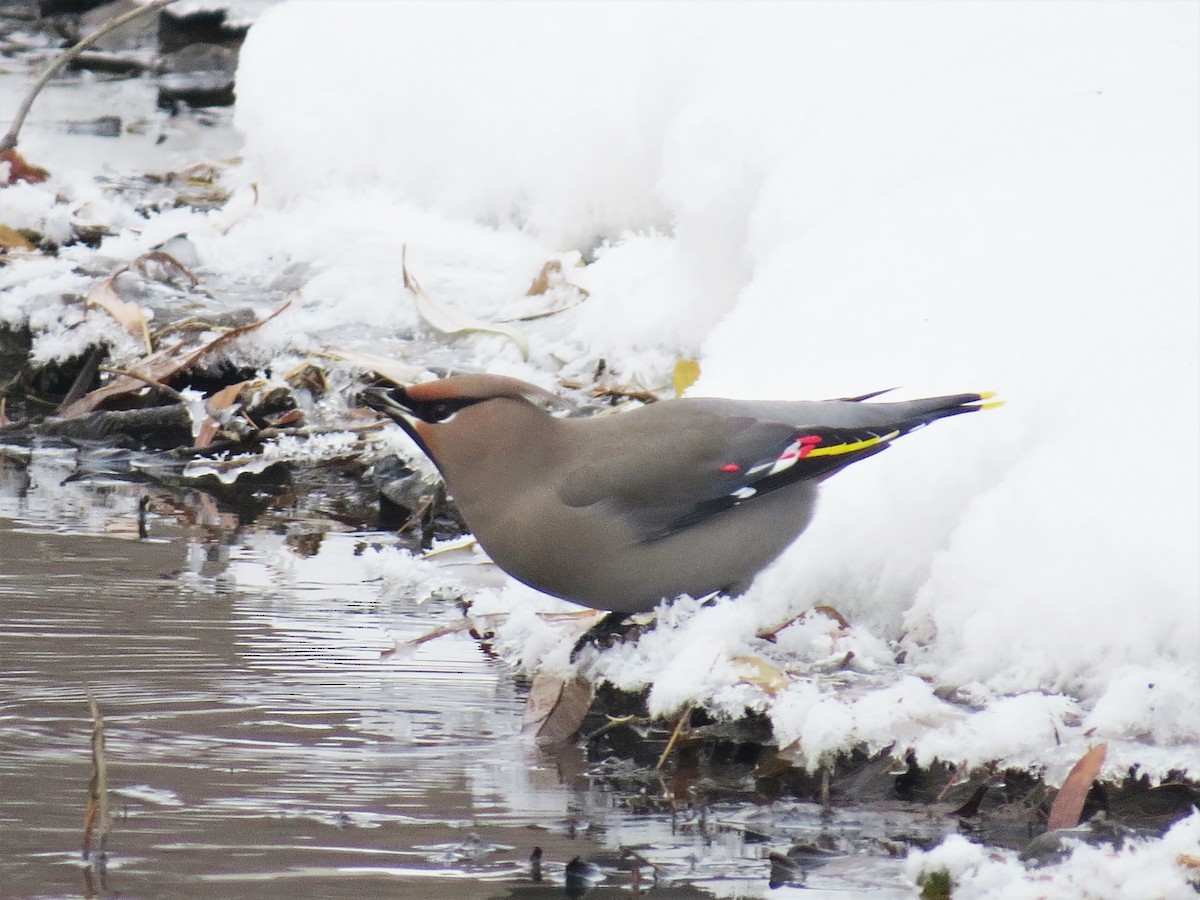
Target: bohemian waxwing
point(619, 512)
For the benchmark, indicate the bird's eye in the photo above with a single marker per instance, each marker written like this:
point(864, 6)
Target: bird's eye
point(440, 410)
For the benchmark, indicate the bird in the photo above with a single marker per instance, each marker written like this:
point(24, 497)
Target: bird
point(621, 512)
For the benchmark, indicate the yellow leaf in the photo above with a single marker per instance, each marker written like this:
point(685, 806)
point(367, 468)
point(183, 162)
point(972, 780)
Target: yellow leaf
point(685, 375)
point(757, 671)
point(11, 239)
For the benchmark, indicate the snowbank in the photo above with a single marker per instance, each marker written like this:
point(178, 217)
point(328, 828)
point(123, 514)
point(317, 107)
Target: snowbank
point(820, 200)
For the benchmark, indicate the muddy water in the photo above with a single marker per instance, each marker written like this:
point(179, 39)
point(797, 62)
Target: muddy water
point(258, 745)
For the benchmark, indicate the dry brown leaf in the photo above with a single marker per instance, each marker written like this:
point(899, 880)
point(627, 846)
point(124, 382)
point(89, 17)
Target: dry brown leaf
point(442, 631)
point(162, 366)
point(227, 396)
point(829, 612)
point(130, 316)
point(757, 671)
point(11, 239)
point(20, 170)
point(309, 377)
point(158, 265)
point(550, 274)
point(218, 402)
point(556, 707)
point(4, 419)
point(289, 418)
point(1068, 802)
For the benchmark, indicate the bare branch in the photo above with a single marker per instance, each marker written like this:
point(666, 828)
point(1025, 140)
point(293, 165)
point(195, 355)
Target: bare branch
point(9, 141)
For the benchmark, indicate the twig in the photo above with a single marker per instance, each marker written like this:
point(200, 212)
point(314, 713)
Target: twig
point(684, 721)
point(146, 379)
point(96, 820)
point(9, 141)
point(959, 771)
point(193, 323)
point(617, 722)
point(310, 430)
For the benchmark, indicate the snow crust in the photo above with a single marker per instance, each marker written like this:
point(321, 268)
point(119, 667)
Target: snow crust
point(812, 200)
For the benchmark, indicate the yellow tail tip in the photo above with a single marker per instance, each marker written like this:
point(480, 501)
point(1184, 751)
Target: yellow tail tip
point(987, 395)
point(993, 405)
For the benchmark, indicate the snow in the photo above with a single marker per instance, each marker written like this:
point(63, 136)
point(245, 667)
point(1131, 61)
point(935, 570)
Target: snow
point(1138, 869)
point(812, 200)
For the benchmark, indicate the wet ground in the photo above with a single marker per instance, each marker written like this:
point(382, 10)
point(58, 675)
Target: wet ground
point(258, 744)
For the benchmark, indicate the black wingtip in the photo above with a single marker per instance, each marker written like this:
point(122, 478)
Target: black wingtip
point(861, 397)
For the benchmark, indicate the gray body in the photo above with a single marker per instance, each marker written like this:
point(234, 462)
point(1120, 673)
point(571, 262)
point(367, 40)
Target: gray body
point(578, 524)
point(622, 511)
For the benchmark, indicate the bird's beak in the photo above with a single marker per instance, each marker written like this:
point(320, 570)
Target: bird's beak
point(392, 402)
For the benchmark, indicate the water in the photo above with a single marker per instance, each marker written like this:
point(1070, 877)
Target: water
point(258, 744)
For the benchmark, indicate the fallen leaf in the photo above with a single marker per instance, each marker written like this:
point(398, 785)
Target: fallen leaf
point(20, 170)
point(162, 366)
point(757, 671)
point(397, 372)
point(556, 707)
point(158, 265)
point(227, 396)
point(830, 613)
point(412, 643)
point(450, 321)
point(289, 418)
point(130, 316)
point(1068, 802)
point(550, 275)
point(684, 375)
point(308, 377)
point(11, 239)
point(218, 402)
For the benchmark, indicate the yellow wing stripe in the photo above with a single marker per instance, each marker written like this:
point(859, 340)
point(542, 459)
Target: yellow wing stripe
point(851, 447)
